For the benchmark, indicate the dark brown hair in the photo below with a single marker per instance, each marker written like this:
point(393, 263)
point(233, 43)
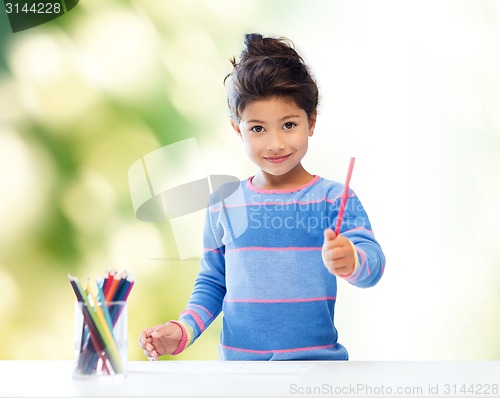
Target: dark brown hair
point(270, 67)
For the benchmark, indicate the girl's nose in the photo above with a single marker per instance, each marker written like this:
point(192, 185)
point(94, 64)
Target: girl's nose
point(275, 142)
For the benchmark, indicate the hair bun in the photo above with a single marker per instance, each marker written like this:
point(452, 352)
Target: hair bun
point(254, 44)
point(257, 45)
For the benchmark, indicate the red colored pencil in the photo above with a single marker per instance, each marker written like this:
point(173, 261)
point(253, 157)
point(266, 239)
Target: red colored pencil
point(109, 282)
point(112, 289)
point(343, 201)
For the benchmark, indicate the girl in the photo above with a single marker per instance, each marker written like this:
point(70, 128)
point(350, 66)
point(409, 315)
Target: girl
point(271, 260)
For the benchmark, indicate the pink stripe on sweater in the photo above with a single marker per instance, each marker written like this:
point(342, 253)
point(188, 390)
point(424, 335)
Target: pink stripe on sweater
point(359, 229)
point(262, 248)
point(363, 261)
point(196, 317)
point(270, 301)
point(203, 308)
point(289, 203)
point(359, 271)
point(339, 197)
point(217, 209)
point(182, 343)
point(208, 250)
point(226, 347)
point(275, 203)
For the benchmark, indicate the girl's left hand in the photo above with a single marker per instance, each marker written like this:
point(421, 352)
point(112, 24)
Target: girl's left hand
point(338, 254)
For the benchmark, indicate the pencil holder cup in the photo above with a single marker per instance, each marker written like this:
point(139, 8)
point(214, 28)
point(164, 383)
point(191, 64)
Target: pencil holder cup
point(101, 346)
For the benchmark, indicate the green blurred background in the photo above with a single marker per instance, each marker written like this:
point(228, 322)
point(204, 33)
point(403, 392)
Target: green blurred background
point(411, 88)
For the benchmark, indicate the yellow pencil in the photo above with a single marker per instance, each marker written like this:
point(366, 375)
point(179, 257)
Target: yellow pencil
point(102, 326)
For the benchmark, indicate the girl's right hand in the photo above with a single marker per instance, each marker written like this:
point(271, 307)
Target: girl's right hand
point(160, 340)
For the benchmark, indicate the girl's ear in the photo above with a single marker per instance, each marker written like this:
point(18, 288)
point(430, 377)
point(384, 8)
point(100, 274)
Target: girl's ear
point(236, 127)
point(312, 123)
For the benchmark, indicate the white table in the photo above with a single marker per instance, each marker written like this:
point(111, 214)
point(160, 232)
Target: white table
point(256, 379)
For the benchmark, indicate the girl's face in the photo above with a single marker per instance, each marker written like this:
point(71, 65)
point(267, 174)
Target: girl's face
point(275, 134)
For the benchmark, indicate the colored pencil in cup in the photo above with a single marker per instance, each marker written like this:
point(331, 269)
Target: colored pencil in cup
point(100, 315)
point(91, 336)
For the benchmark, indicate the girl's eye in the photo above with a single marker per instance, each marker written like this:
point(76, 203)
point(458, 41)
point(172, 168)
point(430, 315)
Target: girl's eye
point(257, 129)
point(289, 125)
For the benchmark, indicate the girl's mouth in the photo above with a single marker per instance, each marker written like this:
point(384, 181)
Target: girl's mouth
point(278, 159)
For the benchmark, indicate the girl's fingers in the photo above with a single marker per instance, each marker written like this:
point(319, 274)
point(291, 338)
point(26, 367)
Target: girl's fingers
point(337, 253)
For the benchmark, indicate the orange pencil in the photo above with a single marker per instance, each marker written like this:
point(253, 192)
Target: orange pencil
point(112, 288)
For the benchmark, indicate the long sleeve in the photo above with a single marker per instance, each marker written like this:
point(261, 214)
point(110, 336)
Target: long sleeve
point(357, 228)
point(209, 289)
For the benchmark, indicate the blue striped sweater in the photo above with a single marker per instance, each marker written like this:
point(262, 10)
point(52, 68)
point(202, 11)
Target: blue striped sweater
point(262, 268)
